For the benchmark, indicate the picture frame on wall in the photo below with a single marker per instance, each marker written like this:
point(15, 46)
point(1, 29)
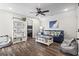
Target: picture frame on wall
point(53, 24)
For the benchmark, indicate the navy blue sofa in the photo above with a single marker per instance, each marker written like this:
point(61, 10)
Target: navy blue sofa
point(58, 38)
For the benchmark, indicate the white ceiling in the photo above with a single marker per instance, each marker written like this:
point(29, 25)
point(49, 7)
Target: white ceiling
point(26, 8)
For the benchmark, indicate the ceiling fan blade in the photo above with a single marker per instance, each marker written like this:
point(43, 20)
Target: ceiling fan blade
point(42, 14)
point(45, 11)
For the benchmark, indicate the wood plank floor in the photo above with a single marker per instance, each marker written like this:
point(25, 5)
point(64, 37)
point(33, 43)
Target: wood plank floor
point(31, 48)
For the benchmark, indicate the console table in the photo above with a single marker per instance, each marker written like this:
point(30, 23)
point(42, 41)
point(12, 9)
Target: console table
point(45, 39)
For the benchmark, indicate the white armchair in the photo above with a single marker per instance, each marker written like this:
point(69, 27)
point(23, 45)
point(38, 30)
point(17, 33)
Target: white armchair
point(70, 46)
point(5, 41)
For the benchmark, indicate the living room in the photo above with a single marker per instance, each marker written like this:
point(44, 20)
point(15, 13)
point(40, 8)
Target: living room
point(40, 29)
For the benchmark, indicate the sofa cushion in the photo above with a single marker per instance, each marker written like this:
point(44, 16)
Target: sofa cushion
point(67, 41)
point(3, 39)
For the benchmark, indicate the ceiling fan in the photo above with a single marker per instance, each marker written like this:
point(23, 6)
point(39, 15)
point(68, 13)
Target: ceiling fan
point(39, 11)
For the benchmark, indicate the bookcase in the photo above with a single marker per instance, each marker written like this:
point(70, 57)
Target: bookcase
point(19, 28)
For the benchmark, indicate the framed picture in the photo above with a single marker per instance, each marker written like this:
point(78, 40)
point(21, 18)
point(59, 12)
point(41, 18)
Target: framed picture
point(53, 24)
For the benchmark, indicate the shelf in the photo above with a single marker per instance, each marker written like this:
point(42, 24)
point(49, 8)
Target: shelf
point(18, 31)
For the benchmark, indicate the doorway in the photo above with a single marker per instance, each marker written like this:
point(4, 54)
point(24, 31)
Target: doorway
point(29, 29)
